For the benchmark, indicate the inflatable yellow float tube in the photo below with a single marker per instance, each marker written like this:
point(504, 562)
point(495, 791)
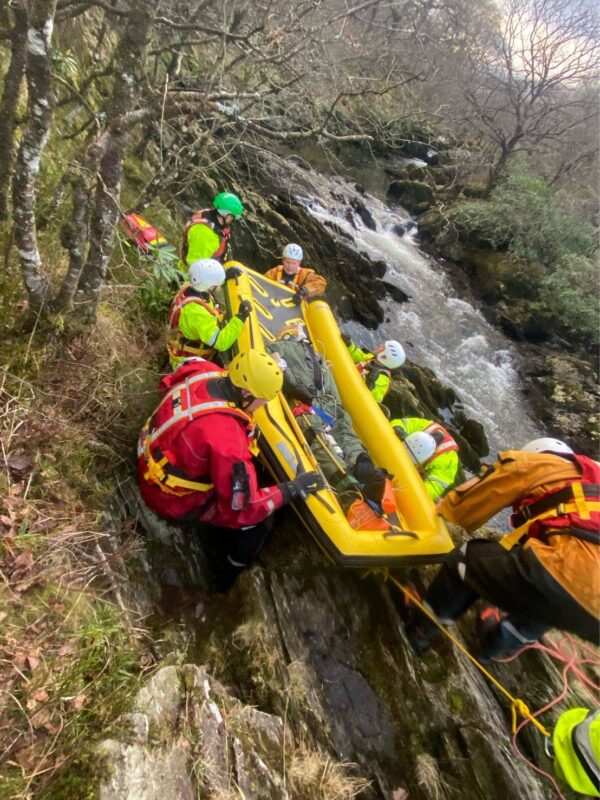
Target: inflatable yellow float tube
point(422, 536)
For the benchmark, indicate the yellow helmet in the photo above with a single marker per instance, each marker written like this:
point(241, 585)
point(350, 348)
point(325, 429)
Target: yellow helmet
point(258, 373)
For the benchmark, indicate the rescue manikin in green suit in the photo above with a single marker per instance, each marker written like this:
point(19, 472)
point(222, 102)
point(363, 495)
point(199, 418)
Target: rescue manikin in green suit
point(339, 452)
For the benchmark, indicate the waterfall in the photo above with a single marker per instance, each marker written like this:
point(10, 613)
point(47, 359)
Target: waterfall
point(438, 329)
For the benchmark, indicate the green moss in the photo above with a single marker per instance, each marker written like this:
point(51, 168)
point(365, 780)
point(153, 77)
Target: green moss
point(456, 701)
point(77, 781)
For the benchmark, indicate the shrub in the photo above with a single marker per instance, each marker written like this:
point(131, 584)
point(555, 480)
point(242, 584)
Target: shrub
point(523, 216)
point(569, 296)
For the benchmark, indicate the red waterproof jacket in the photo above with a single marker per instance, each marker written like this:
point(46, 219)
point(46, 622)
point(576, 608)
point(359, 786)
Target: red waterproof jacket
point(187, 453)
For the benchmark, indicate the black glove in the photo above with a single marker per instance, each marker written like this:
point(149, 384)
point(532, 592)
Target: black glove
point(346, 339)
point(232, 272)
point(302, 486)
point(370, 477)
point(244, 310)
point(400, 432)
point(301, 294)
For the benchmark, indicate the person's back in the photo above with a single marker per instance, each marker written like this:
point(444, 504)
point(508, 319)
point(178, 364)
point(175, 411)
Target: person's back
point(208, 232)
point(545, 573)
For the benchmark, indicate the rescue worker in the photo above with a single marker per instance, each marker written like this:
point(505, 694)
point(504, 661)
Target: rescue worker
point(196, 324)
point(290, 272)
point(576, 750)
point(432, 450)
point(376, 368)
point(208, 233)
point(544, 574)
point(326, 426)
point(195, 459)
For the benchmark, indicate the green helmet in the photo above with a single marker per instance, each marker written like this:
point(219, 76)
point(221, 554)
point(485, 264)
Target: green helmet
point(227, 203)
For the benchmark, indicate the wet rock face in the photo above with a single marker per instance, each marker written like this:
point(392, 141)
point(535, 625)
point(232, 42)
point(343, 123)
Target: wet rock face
point(564, 392)
point(324, 698)
point(416, 196)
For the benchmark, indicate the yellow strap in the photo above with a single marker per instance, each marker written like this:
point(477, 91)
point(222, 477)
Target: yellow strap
point(518, 707)
point(182, 483)
point(155, 473)
point(580, 506)
point(580, 501)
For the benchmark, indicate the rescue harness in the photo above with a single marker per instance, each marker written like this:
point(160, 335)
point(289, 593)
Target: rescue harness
point(297, 279)
point(370, 371)
point(444, 442)
point(183, 404)
point(573, 510)
point(177, 344)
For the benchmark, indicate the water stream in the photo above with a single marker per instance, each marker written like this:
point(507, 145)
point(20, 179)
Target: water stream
point(438, 329)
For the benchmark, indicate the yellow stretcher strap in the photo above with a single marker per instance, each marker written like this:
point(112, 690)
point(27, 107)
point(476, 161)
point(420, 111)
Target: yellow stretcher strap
point(579, 506)
point(518, 707)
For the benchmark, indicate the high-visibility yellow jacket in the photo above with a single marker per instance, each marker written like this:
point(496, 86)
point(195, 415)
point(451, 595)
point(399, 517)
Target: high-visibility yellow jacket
point(204, 237)
point(375, 375)
point(197, 327)
point(439, 473)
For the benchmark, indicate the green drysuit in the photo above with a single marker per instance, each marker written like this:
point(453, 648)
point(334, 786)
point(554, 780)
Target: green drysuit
point(307, 373)
point(439, 473)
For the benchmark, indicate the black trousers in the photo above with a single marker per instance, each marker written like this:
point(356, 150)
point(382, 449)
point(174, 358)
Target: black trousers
point(514, 580)
point(231, 551)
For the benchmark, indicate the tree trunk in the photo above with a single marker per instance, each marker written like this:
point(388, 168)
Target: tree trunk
point(129, 59)
point(10, 97)
point(75, 231)
point(35, 135)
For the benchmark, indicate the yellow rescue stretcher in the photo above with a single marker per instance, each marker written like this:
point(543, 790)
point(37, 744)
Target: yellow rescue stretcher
point(419, 534)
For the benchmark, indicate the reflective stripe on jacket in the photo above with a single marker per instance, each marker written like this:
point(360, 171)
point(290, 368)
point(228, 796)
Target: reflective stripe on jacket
point(189, 448)
point(441, 469)
point(576, 743)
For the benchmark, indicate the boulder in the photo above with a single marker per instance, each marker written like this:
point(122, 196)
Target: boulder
point(474, 433)
point(417, 196)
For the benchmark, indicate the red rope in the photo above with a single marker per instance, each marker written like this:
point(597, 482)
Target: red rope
point(566, 651)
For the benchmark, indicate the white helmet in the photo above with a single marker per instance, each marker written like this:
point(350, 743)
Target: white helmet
point(392, 356)
point(293, 251)
point(546, 445)
point(421, 446)
point(206, 273)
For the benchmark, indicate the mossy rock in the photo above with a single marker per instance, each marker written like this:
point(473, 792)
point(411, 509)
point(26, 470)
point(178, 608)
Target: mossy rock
point(431, 223)
point(417, 196)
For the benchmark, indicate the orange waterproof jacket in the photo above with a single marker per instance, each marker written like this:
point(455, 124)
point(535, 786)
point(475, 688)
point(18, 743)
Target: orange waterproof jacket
point(521, 479)
point(305, 278)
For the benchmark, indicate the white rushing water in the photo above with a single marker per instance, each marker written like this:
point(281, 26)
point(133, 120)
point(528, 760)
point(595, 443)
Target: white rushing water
point(437, 328)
